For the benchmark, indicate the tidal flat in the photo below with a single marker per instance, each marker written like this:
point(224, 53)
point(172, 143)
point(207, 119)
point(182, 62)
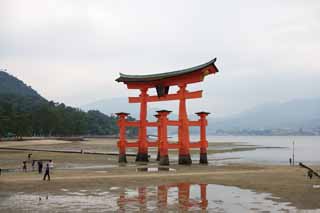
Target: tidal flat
point(89, 182)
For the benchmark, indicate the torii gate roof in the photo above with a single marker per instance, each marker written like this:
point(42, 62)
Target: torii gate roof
point(155, 79)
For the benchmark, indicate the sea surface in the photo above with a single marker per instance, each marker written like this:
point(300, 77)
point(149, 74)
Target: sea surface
point(271, 149)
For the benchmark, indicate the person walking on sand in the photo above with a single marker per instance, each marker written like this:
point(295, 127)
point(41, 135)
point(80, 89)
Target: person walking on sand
point(40, 165)
point(33, 163)
point(51, 164)
point(24, 167)
point(290, 161)
point(47, 173)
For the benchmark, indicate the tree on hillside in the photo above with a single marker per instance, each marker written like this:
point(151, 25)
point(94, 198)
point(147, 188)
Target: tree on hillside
point(23, 112)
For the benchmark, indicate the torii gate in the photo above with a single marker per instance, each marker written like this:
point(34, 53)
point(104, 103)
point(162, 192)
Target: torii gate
point(162, 82)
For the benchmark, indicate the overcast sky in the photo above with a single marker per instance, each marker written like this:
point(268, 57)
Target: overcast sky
point(71, 51)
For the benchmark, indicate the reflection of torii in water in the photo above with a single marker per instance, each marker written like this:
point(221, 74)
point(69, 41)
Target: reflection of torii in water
point(162, 197)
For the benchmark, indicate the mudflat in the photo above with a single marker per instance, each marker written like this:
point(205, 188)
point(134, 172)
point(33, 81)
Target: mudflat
point(288, 183)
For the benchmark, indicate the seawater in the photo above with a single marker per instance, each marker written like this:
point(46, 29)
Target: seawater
point(306, 149)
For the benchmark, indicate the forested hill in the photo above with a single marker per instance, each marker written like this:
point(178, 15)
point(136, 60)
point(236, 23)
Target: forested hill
point(13, 86)
point(23, 112)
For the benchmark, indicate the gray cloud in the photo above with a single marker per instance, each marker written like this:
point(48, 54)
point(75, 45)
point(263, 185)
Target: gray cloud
point(72, 51)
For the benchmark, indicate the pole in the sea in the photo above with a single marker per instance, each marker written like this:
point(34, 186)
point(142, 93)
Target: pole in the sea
point(293, 153)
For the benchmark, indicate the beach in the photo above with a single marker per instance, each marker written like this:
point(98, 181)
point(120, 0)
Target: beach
point(76, 171)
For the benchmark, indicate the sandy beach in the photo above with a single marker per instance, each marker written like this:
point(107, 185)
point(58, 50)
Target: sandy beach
point(77, 172)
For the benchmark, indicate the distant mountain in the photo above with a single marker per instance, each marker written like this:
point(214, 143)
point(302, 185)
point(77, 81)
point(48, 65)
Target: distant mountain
point(10, 85)
point(112, 106)
point(294, 114)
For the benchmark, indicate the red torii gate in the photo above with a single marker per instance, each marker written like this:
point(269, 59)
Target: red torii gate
point(162, 83)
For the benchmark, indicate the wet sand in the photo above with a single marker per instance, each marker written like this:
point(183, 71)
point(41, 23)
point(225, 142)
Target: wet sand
point(290, 184)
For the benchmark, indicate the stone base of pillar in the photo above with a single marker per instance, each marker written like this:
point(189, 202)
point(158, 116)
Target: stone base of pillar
point(164, 160)
point(158, 156)
point(203, 158)
point(122, 158)
point(142, 157)
point(185, 159)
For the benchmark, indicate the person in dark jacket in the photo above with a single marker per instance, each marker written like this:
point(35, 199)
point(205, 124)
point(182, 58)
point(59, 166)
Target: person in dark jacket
point(33, 164)
point(310, 174)
point(24, 167)
point(40, 165)
point(47, 172)
point(290, 161)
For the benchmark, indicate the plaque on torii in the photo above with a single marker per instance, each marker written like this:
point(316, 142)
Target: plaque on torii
point(162, 82)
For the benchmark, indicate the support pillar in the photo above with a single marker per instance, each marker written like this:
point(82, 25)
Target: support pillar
point(158, 135)
point(122, 136)
point(142, 154)
point(203, 137)
point(183, 133)
point(164, 157)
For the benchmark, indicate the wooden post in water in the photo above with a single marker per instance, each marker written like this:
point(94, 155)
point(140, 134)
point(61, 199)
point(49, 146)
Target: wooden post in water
point(293, 153)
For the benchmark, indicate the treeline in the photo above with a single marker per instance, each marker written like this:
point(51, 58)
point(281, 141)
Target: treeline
point(31, 116)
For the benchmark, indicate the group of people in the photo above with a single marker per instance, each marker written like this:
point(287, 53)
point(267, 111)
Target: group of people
point(48, 167)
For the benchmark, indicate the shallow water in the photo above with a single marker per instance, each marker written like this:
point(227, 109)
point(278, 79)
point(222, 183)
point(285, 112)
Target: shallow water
point(306, 149)
point(181, 196)
point(274, 150)
point(155, 169)
point(89, 166)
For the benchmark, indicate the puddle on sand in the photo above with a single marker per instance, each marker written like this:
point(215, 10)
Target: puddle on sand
point(81, 167)
point(101, 171)
point(114, 188)
point(155, 169)
point(171, 197)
